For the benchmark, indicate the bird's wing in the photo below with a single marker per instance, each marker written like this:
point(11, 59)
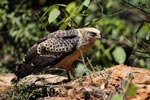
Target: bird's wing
point(56, 47)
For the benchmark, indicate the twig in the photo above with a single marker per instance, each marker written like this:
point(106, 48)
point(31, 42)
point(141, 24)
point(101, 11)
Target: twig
point(85, 65)
point(136, 7)
point(41, 21)
point(90, 64)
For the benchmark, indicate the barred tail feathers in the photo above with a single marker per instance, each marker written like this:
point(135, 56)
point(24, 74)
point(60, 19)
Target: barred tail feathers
point(23, 70)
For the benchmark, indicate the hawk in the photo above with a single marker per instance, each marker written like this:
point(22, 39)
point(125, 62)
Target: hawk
point(59, 49)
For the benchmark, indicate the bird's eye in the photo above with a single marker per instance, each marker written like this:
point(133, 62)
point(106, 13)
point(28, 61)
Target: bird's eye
point(92, 34)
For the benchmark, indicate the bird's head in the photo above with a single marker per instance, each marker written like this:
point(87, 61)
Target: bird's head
point(89, 34)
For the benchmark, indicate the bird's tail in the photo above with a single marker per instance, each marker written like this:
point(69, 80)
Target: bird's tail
point(23, 70)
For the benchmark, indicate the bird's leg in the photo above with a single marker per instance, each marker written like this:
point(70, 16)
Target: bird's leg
point(72, 72)
point(68, 75)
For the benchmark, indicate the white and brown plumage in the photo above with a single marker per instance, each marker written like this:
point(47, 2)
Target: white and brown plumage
point(59, 49)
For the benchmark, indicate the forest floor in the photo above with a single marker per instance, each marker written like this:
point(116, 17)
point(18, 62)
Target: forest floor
point(120, 81)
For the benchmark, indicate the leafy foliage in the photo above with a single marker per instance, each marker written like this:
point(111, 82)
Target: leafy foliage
point(124, 39)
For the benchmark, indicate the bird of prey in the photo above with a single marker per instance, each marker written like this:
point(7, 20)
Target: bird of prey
point(58, 49)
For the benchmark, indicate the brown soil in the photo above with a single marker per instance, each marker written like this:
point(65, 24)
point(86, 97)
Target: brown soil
point(100, 85)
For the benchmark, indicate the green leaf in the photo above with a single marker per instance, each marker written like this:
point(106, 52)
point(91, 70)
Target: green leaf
point(146, 27)
point(131, 90)
point(80, 69)
point(97, 54)
point(53, 15)
point(117, 96)
point(147, 30)
point(70, 7)
point(86, 3)
point(119, 55)
point(63, 26)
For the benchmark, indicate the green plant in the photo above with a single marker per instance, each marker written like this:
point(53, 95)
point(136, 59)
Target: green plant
point(21, 25)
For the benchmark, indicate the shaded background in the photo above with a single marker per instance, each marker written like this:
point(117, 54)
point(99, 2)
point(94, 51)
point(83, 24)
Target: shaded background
point(124, 25)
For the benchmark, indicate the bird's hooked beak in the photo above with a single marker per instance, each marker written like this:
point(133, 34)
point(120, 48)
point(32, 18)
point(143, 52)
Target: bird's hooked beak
point(98, 34)
point(98, 37)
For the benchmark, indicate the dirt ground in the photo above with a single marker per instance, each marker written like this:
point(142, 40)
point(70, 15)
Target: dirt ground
point(101, 85)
